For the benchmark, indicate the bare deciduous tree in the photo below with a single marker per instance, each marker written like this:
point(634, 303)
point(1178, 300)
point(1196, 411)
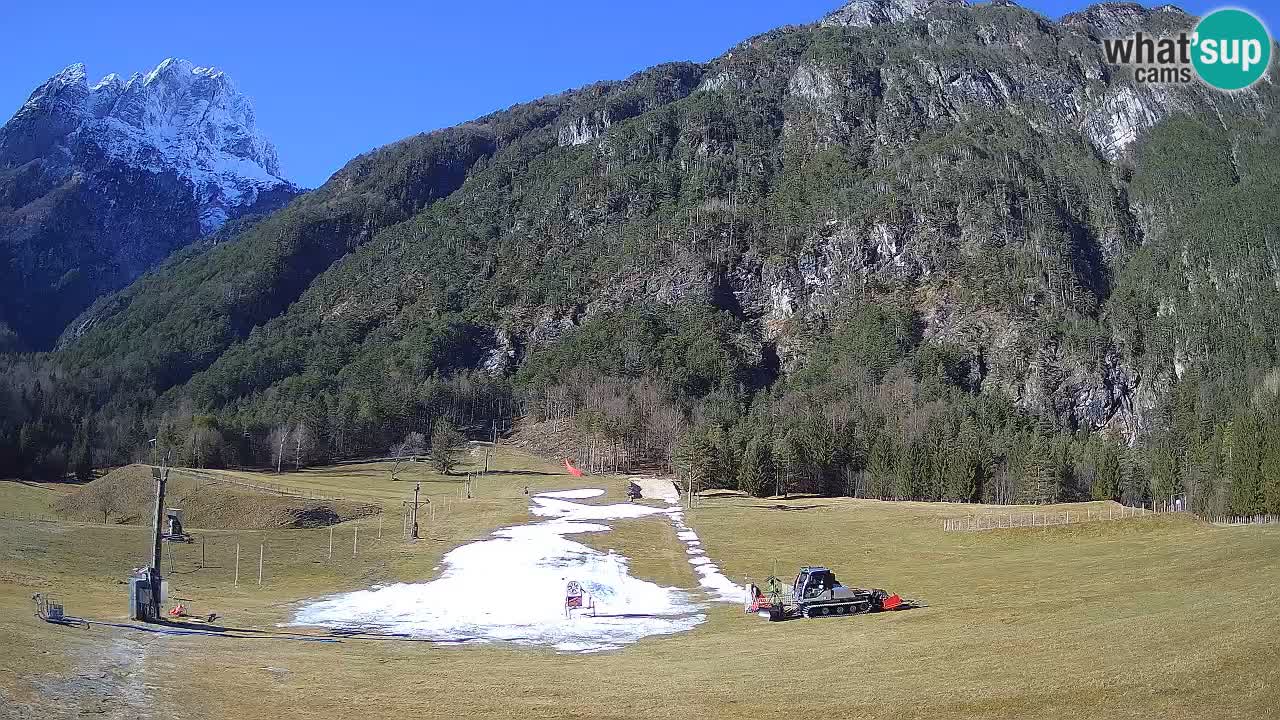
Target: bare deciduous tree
point(413, 444)
point(302, 444)
point(279, 436)
point(107, 501)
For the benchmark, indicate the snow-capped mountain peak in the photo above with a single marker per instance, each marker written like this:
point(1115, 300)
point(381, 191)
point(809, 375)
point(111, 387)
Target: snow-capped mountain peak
point(100, 182)
point(179, 117)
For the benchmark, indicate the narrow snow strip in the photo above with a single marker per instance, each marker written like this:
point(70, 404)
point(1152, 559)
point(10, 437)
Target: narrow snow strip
point(719, 587)
point(580, 494)
point(553, 507)
point(713, 579)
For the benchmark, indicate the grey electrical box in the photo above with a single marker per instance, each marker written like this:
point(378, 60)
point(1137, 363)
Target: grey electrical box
point(174, 518)
point(140, 598)
point(140, 607)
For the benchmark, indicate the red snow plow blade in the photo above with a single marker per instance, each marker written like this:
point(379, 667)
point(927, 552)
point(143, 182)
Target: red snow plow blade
point(893, 602)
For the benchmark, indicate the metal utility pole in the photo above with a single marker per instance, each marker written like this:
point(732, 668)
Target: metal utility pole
point(161, 475)
point(492, 444)
point(416, 488)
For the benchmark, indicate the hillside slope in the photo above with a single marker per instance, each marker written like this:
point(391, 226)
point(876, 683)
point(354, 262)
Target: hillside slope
point(127, 495)
point(919, 249)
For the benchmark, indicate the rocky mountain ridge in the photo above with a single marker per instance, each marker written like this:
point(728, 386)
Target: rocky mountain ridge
point(100, 182)
point(1053, 77)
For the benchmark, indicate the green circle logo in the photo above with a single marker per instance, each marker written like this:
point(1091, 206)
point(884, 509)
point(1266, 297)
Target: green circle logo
point(1231, 49)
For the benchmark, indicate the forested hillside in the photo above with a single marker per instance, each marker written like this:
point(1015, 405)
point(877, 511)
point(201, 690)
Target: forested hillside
point(949, 256)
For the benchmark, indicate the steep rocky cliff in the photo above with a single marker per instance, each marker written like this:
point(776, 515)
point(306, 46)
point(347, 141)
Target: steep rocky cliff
point(100, 182)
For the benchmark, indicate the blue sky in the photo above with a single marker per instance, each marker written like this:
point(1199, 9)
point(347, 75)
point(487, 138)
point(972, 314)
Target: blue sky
point(333, 79)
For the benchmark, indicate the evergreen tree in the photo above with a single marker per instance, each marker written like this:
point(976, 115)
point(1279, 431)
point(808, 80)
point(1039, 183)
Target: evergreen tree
point(696, 460)
point(755, 471)
point(788, 459)
point(447, 445)
point(1106, 483)
point(1241, 445)
point(881, 466)
point(965, 466)
point(82, 458)
point(1165, 482)
point(1042, 473)
point(1270, 474)
point(911, 479)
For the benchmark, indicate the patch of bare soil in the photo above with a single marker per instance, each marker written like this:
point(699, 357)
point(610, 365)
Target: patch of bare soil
point(108, 682)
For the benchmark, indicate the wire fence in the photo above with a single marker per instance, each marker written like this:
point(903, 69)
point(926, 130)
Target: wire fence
point(1244, 519)
point(1048, 518)
point(28, 517)
point(201, 476)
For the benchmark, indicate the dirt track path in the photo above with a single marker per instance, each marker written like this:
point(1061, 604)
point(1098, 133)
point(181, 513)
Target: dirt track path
point(657, 488)
point(109, 681)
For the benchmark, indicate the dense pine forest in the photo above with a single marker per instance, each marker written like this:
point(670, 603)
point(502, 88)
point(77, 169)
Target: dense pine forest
point(894, 261)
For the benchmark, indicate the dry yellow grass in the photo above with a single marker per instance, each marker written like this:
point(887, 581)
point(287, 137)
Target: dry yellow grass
point(33, 499)
point(509, 472)
point(1158, 617)
point(209, 505)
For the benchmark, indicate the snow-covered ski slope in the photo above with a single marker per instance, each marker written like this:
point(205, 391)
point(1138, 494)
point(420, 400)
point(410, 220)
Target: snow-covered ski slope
point(510, 587)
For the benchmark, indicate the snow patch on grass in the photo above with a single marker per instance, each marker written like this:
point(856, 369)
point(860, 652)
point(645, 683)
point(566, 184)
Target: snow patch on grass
point(511, 588)
point(579, 494)
point(554, 507)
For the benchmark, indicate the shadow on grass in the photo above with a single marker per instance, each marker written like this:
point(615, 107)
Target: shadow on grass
point(209, 629)
point(907, 605)
point(70, 481)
